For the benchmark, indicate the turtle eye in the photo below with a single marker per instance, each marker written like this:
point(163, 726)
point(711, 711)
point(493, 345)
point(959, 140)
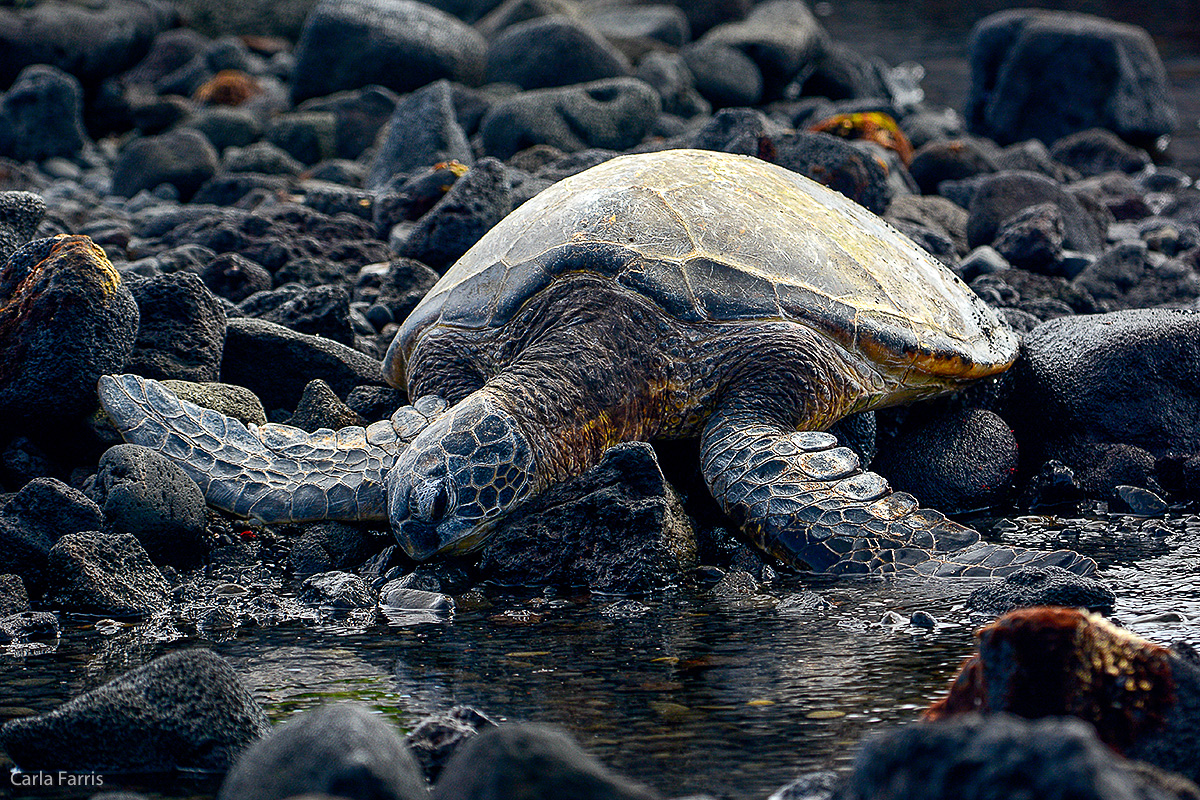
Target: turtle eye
point(430, 502)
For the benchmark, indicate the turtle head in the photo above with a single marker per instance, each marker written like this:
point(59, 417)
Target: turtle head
point(458, 478)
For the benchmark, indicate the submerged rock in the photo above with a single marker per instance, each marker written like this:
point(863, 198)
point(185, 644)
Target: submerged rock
point(1042, 586)
point(185, 710)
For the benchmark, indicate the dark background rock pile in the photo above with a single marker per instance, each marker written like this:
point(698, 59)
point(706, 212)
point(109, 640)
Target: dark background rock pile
point(275, 186)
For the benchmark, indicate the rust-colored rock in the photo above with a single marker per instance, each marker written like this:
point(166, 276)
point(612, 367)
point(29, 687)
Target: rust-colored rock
point(229, 87)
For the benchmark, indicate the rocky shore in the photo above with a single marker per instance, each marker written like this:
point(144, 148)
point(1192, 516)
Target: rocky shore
point(248, 218)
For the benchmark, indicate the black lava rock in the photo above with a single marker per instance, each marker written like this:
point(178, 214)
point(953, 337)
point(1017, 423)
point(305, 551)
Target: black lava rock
point(948, 160)
point(13, 598)
point(65, 320)
point(343, 750)
point(517, 761)
point(725, 76)
point(307, 136)
point(959, 461)
point(673, 80)
point(399, 44)
point(1043, 75)
point(972, 757)
point(340, 591)
point(320, 407)
point(28, 626)
point(235, 277)
point(1041, 586)
point(91, 42)
point(106, 575)
point(41, 115)
point(1127, 276)
point(402, 287)
point(33, 520)
point(1125, 378)
point(999, 197)
point(1032, 238)
point(185, 710)
point(316, 311)
point(1095, 151)
point(617, 528)
point(781, 36)
point(550, 51)
point(423, 131)
point(358, 114)
point(330, 546)
point(144, 493)
point(182, 158)
point(295, 359)
point(474, 204)
point(834, 162)
point(182, 330)
point(614, 114)
point(435, 739)
point(20, 214)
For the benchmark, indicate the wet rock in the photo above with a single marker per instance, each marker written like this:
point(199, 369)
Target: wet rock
point(145, 494)
point(307, 136)
point(948, 160)
point(670, 76)
point(1139, 501)
point(182, 158)
point(343, 749)
point(41, 115)
point(20, 214)
point(834, 162)
point(33, 520)
point(28, 626)
point(295, 359)
point(617, 528)
point(320, 407)
point(232, 401)
point(106, 575)
point(999, 197)
point(317, 311)
point(725, 76)
point(423, 131)
point(401, 45)
point(1054, 484)
point(65, 320)
point(13, 598)
point(331, 546)
point(614, 114)
point(341, 591)
point(514, 761)
point(1044, 75)
point(91, 42)
point(1032, 238)
point(552, 51)
point(1041, 586)
point(1125, 378)
point(234, 277)
point(809, 786)
point(973, 757)
point(396, 600)
point(435, 739)
point(1095, 151)
point(182, 329)
point(781, 36)
point(474, 204)
point(185, 710)
point(1050, 662)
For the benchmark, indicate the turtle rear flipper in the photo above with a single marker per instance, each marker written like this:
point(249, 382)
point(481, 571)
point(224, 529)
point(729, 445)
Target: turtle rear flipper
point(273, 473)
point(806, 500)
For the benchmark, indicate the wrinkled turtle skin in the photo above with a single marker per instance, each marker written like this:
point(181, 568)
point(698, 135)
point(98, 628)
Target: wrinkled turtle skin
point(664, 295)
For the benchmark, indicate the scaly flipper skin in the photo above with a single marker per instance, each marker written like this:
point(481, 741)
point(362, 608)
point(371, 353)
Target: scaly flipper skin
point(806, 500)
point(273, 473)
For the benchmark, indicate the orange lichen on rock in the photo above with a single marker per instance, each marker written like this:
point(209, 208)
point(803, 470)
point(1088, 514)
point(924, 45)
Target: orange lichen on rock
point(1052, 661)
point(229, 87)
point(873, 126)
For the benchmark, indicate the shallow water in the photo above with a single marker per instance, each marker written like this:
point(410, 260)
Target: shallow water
point(731, 696)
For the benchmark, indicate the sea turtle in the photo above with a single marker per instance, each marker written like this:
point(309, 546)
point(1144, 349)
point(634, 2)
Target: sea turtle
point(660, 295)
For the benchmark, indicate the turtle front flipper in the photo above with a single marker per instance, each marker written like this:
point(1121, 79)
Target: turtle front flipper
point(273, 473)
point(807, 501)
